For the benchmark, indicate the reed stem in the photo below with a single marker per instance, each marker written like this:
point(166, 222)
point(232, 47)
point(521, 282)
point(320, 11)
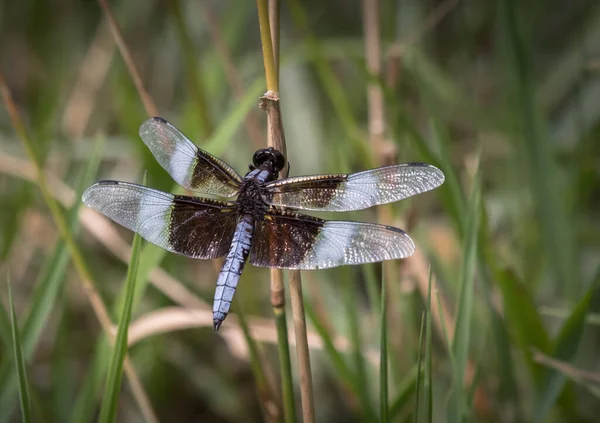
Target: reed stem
point(269, 29)
point(276, 139)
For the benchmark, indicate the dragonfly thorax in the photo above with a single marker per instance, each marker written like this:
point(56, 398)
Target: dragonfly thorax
point(250, 200)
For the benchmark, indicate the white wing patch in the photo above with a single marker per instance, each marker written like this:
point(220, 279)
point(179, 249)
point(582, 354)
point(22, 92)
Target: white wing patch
point(339, 243)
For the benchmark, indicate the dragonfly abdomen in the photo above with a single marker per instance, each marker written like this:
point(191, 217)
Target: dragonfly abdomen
point(231, 271)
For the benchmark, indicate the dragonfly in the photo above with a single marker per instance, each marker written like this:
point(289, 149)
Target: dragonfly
point(257, 218)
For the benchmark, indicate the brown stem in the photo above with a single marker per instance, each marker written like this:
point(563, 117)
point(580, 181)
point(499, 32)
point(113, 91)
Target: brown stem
point(149, 105)
point(269, 28)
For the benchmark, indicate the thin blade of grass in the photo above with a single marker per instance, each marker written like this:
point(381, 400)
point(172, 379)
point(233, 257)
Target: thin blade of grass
point(114, 376)
point(83, 271)
point(47, 287)
point(524, 321)
point(20, 360)
point(343, 370)
point(402, 128)
point(508, 392)
point(457, 405)
point(405, 390)
point(84, 407)
point(545, 182)
point(418, 382)
point(225, 131)
point(445, 333)
point(368, 272)
point(564, 349)
point(351, 308)
point(331, 84)
point(336, 358)
point(428, 376)
point(265, 391)
point(383, 365)
point(15, 203)
point(283, 349)
point(5, 330)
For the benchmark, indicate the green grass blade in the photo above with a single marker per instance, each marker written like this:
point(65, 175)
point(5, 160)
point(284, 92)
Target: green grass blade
point(450, 193)
point(336, 358)
point(564, 349)
point(405, 391)
point(5, 329)
point(343, 371)
point(546, 184)
point(372, 286)
point(383, 365)
point(332, 86)
point(524, 321)
point(15, 204)
point(112, 387)
point(428, 376)
point(457, 404)
point(47, 288)
point(225, 131)
point(418, 382)
point(351, 308)
point(445, 331)
point(287, 382)
point(85, 404)
point(265, 393)
point(508, 392)
point(19, 359)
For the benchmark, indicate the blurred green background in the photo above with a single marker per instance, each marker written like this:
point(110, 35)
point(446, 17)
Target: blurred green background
point(503, 96)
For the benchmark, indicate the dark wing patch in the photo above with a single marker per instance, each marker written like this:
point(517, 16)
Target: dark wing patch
point(189, 166)
point(294, 241)
point(191, 226)
point(355, 191)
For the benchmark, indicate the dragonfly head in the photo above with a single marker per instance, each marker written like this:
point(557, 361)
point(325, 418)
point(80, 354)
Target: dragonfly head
point(269, 158)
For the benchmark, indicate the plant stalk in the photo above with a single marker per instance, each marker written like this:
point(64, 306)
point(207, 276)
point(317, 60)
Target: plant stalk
point(269, 28)
point(276, 139)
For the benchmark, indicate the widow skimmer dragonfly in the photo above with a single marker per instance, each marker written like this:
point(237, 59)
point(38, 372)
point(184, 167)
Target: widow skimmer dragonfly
point(261, 225)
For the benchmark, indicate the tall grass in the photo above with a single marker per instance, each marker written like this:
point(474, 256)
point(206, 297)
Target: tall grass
point(505, 88)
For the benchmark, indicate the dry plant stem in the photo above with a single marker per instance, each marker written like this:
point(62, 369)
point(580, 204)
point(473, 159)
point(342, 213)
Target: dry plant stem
point(440, 12)
point(566, 368)
point(373, 58)
point(82, 269)
point(276, 135)
point(384, 152)
point(302, 350)
point(149, 105)
point(270, 103)
point(394, 53)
